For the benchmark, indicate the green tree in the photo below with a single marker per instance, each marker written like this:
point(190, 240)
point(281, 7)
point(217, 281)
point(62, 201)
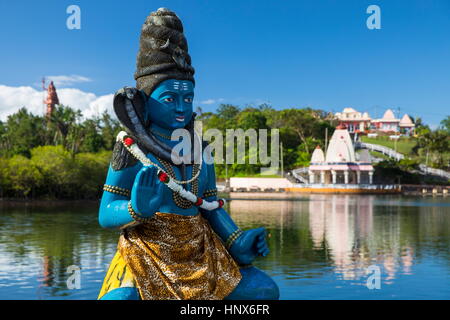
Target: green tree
point(227, 111)
point(62, 120)
point(110, 128)
point(58, 168)
point(22, 132)
point(445, 124)
point(302, 121)
point(24, 177)
point(89, 137)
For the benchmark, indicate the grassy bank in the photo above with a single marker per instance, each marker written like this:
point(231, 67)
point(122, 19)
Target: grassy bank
point(402, 145)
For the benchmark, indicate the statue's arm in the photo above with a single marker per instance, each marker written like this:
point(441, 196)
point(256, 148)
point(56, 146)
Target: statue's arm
point(113, 211)
point(219, 219)
point(244, 247)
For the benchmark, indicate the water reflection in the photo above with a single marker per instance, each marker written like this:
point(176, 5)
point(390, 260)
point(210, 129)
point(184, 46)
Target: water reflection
point(343, 235)
point(38, 244)
point(320, 246)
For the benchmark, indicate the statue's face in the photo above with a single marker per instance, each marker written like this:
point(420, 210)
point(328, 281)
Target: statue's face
point(170, 104)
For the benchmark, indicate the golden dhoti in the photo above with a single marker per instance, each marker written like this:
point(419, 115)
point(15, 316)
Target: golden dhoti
point(176, 257)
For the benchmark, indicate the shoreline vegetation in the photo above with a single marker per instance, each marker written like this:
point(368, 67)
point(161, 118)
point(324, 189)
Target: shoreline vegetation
point(65, 157)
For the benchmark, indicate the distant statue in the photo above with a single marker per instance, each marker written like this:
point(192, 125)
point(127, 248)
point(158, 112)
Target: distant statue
point(52, 98)
point(177, 241)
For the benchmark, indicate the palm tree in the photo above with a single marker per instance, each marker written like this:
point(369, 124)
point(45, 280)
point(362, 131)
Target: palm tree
point(61, 120)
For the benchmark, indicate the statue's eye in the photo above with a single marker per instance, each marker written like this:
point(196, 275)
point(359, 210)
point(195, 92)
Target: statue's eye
point(188, 100)
point(168, 99)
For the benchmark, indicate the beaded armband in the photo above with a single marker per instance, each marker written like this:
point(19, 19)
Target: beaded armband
point(136, 216)
point(232, 237)
point(209, 193)
point(117, 190)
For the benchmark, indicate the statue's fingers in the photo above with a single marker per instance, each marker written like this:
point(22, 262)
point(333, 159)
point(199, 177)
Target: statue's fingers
point(260, 231)
point(156, 196)
point(143, 177)
point(140, 178)
point(261, 251)
point(262, 236)
point(260, 245)
point(146, 180)
point(266, 252)
point(151, 177)
point(160, 188)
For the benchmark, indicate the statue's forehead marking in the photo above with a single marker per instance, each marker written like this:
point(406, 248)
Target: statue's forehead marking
point(181, 85)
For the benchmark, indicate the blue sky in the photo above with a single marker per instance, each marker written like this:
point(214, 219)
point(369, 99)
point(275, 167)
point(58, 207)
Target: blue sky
point(288, 53)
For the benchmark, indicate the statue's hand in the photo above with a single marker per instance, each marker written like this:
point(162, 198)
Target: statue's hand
point(147, 192)
point(249, 245)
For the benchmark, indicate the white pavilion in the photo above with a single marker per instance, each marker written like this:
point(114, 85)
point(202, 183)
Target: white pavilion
point(339, 165)
point(407, 125)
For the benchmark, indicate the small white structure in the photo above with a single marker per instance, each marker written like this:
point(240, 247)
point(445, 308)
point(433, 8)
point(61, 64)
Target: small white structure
point(388, 123)
point(406, 125)
point(259, 184)
point(340, 164)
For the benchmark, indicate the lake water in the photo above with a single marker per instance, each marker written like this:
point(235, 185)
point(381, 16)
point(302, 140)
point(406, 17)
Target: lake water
point(322, 247)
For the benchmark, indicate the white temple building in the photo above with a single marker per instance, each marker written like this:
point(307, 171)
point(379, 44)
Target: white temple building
point(389, 123)
point(340, 164)
point(356, 121)
point(406, 125)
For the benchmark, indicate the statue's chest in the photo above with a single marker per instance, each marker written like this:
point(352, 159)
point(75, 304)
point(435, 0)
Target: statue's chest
point(191, 177)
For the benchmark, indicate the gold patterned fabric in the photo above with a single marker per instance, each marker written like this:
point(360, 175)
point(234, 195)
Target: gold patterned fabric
point(178, 257)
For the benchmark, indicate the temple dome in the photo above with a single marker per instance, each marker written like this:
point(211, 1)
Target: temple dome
point(406, 121)
point(349, 110)
point(318, 155)
point(341, 147)
point(389, 115)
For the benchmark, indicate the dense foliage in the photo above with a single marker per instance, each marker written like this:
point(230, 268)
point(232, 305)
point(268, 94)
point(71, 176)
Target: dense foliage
point(59, 157)
point(300, 131)
point(66, 156)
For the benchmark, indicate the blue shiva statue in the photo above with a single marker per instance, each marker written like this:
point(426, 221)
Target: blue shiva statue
point(176, 242)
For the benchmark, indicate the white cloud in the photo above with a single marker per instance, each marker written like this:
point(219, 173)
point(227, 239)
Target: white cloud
point(212, 101)
point(63, 81)
point(13, 98)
